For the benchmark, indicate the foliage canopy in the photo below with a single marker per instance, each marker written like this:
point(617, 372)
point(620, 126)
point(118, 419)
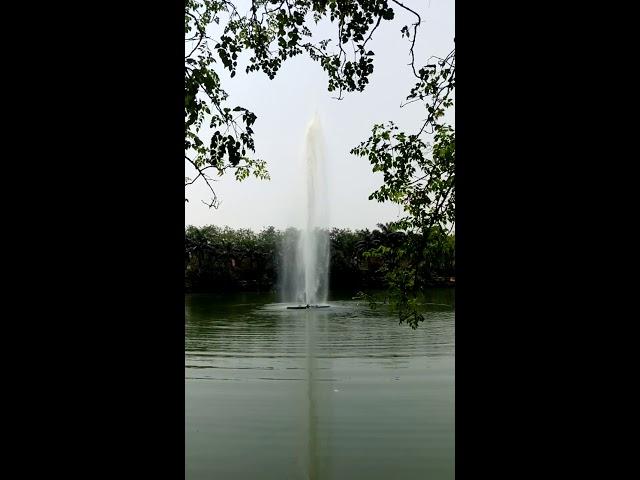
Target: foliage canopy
point(269, 33)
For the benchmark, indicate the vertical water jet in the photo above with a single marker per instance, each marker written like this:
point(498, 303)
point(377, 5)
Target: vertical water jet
point(305, 272)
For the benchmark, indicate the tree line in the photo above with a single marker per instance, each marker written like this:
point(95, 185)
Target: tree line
point(225, 259)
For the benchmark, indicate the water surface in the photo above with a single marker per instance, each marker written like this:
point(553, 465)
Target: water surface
point(338, 393)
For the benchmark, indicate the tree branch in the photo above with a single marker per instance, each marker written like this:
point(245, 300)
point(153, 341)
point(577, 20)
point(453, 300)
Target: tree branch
point(415, 33)
point(214, 201)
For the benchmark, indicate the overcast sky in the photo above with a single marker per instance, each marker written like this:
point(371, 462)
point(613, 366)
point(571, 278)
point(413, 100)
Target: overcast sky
point(284, 107)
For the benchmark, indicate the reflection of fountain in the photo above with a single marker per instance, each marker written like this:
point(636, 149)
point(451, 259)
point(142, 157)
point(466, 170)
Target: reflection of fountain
point(312, 447)
point(305, 273)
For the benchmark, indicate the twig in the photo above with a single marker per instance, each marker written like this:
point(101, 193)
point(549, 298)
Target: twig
point(415, 32)
point(214, 202)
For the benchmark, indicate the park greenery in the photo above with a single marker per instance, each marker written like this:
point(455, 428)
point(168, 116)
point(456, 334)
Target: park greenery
point(418, 167)
point(225, 259)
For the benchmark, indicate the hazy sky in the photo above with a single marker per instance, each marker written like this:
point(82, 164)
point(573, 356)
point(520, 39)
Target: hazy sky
point(284, 106)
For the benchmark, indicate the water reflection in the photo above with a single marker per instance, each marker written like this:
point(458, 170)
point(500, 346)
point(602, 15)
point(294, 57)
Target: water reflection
point(342, 393)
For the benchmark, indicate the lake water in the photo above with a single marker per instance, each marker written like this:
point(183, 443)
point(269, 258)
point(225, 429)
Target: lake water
point(337, 393)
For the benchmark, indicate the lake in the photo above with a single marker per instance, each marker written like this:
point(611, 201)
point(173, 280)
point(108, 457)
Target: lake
point(337, 393)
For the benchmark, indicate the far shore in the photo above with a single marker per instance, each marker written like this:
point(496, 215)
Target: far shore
point(255, 287)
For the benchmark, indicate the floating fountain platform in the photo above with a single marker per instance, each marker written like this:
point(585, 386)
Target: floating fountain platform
point(304, 307)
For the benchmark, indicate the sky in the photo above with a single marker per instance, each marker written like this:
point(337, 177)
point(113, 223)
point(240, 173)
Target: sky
point(285, 106)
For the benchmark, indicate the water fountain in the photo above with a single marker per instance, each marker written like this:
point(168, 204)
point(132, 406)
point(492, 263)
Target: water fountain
point(305, 273)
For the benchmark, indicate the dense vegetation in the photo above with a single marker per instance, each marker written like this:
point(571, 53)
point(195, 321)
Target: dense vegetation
point(224, 259)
